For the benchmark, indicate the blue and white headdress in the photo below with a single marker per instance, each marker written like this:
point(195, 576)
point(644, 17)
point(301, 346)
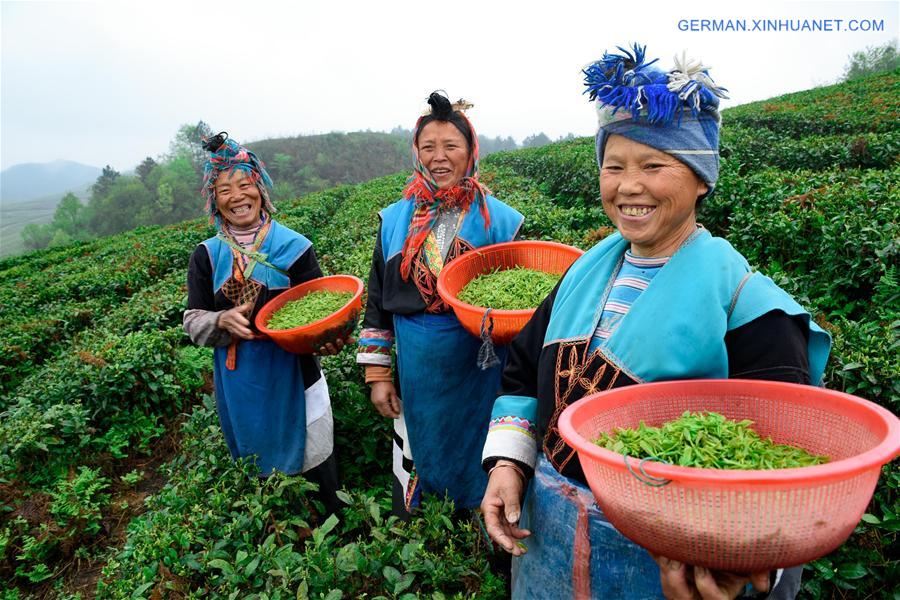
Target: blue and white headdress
point(676, 112)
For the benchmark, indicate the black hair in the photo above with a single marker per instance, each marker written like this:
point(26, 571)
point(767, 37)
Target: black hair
point(215, 142)
point(442, 110)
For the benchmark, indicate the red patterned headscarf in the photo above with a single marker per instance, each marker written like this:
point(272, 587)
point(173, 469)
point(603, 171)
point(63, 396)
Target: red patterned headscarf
point(430, 201)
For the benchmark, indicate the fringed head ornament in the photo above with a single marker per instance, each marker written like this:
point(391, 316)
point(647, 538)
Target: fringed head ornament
point(676, 112)
point(227, 156)
point(421, 187)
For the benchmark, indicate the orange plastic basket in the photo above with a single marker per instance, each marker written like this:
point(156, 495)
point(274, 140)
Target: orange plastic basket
point(550, 257)
point(741, 521)
point(309, 338)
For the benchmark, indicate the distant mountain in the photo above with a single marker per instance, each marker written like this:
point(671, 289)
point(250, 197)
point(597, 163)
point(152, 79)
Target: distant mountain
point(31, 181)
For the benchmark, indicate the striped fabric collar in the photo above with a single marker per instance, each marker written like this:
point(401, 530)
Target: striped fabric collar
point(646, 262)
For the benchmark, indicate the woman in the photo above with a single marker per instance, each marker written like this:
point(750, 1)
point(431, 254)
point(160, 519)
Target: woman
point(661, 299)
point(439, 398)
point(273, 406)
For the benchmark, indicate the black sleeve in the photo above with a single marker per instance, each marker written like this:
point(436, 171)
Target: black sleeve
point(305, 268)
point(521, 372)
point(199, 280)
point(376, 316)
point(771, 347)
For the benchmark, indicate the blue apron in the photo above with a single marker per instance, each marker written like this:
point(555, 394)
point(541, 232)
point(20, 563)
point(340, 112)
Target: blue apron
point(447, 403)
point(262, 406)
point(566, 524)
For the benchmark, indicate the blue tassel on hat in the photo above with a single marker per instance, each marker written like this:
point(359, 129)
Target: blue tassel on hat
point(675, 112)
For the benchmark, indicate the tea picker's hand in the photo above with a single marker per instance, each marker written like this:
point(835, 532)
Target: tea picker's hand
point(235, 321)
point(385, 399)
point(501, 507)
point(330, 349)
point(684, 582)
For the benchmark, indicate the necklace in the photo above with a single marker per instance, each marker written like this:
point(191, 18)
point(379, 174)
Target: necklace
point(447, 220)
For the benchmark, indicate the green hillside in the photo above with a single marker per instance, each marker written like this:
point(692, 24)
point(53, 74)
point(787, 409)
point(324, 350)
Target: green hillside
point(309, 163)
point(165, 192)
point(106, 418)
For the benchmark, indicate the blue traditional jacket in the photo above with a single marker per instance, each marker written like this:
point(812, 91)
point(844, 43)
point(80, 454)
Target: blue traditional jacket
point(678, 328)
point(389, 294)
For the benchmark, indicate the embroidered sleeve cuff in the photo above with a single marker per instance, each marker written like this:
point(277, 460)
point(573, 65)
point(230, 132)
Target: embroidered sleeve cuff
point(513, 438)
point(375, 347)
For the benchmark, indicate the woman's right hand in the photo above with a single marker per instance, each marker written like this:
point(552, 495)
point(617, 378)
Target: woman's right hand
point(501, 507)
point(683, 582)
point(385, 399)
point(235, 321)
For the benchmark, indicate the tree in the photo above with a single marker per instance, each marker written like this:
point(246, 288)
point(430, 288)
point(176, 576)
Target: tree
point(282, 166)
point(144, 169)
point(283, 190)
point(60, 238)
point(36, 236)
point(118, 210)
point(187, 143)
point(174, 186)
point(185, 201)
point(104, 182)
point(498, 144)
point(69, 216)
point(871, 61)
point(533, 141)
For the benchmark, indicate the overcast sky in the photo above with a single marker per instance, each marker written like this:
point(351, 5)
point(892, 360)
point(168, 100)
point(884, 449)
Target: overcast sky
point(111, 82)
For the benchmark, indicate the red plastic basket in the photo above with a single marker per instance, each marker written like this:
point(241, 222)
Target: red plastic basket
point(309, 338)
point(741, 521)
point(550, 257)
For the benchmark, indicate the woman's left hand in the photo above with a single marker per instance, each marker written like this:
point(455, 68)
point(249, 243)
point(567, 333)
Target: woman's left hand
point(330, 349)
point(684, 582)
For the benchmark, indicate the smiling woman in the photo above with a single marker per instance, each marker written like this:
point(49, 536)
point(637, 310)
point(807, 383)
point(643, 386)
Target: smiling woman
point(238, 199)
point(660, 299)
point(438, 397)
point(649, 195)
point(444, 151)
point(273, 406)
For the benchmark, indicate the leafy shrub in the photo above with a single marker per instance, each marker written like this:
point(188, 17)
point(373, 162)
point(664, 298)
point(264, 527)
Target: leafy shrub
point(216, 526)
point(77, 503)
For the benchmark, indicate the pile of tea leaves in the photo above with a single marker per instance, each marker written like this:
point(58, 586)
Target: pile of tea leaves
point(310, 308)
point(512, 289)
point(707, 440)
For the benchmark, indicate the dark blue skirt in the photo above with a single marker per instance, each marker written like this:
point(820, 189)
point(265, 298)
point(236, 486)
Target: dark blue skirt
point(262, 407)
point(447, 402)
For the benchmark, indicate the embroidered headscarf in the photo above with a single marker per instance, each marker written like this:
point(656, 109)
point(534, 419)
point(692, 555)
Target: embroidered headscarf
point(676, 112)
point(423, 190)
point(226, 155)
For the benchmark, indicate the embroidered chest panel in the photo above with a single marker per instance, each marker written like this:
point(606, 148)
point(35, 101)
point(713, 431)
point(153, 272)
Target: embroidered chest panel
point(426, 279)
point(576, 376)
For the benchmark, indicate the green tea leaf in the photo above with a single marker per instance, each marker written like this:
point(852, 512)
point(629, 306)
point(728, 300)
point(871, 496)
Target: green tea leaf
point(312, 307)
point(706, 440)
point(512, 289)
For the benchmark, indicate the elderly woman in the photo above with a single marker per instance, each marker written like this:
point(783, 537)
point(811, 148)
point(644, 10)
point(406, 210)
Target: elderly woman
point(273, 406)
point(438, 397)
point(660, 299)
